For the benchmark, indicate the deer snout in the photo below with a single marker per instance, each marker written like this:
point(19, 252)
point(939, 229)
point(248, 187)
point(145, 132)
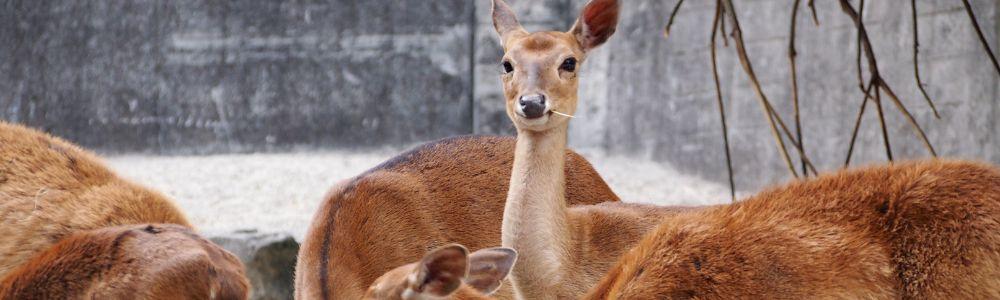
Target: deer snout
point(532, 106)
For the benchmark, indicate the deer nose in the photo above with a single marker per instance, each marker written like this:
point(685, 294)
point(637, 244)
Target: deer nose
point(532, 106)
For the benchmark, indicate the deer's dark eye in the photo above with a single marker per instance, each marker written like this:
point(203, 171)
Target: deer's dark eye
point(507, 67)
point(568, 65)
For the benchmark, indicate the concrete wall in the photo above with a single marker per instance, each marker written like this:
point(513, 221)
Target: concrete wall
point(255, 75)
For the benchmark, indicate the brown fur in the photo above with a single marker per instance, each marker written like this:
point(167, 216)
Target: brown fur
point(158, 261)
point(50, 188)
point(916, 230)
point(447, 191)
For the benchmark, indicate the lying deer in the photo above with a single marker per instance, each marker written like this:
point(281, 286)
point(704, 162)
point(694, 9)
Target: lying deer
point(917, 230)
point(161, 261)
point(448, 272)
point(50, 188)
point(446, 191)
point(564, 250)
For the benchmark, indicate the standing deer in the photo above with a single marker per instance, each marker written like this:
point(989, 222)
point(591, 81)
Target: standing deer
point(51, 189)
point(448, 191)
point(916, 230)
point(563, 250)
point(448, 272)
point(161, 261)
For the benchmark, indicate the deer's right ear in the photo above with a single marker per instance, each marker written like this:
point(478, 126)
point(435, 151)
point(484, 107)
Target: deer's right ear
point(504, 20)
point(442, 270)
point(597, 23)
point(489, 267)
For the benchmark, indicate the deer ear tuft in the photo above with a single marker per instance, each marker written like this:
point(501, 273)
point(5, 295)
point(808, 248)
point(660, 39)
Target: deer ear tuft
point(596, 23)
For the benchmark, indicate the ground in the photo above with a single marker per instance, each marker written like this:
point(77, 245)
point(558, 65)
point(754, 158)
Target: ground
point(279, 192)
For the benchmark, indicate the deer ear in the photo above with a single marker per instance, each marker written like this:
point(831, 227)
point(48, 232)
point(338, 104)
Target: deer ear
point(596, 23)
point(489, 267)
point(441, 271)
point(504, 20)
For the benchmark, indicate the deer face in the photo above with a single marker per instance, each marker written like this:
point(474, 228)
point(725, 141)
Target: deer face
point(445, 272)
point(539, 70)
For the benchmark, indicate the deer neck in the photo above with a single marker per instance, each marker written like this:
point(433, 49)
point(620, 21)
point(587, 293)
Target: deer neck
point(535, 218)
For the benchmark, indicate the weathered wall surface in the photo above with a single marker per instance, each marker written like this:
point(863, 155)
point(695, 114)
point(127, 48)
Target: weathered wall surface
point(225, 76)
point(215, 76)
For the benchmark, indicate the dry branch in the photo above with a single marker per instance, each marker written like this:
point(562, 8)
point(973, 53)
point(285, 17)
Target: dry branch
point(979, 32)
point(772, 115)
point(812, 7)
point(795, 81)
point(718, 99)
point(670, 22)
point(876, 80)
point(857, 125)
point(916, 61)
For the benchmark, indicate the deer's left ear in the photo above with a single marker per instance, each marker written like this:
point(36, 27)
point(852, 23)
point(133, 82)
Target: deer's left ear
point(596, 23)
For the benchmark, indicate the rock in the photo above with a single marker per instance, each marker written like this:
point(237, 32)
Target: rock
point(269, 259)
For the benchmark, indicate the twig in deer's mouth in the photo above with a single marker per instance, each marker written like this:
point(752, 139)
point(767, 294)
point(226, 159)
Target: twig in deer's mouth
point(562, 114)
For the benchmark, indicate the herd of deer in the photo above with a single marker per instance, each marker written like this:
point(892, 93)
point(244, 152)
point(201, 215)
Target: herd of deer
point(71, 229)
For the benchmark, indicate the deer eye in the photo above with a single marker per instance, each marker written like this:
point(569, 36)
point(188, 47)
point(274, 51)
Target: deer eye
point(568, 65)
point(507, 67)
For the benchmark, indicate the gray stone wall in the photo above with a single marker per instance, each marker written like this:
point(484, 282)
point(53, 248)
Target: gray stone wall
point(254, 75)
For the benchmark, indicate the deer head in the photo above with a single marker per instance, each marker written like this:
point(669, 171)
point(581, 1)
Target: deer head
point(443, 272)
point(539, 70)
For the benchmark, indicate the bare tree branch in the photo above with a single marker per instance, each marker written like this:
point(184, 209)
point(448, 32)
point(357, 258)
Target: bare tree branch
point(979, 32)
point(795, 82)
point(812, 7)
point(670, 22)
point(916, 61)
point(718, 99)
point(772, 116)
point(909, 117)
point(876, 80)
point(857, 124)
point(881, 123)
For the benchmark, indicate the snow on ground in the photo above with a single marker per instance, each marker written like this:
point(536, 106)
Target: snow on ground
point(280, 192)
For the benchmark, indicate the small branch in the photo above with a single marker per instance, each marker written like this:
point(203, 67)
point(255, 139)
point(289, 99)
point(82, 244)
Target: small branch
point(718, 99)
point(881, 122)
point(857, 125)
point(979, 32)
point(909, 118)
point(748, 69)
point(670, 22)
point(876, 80)
point(795, 82)
point(916, 61)
point(812, 7)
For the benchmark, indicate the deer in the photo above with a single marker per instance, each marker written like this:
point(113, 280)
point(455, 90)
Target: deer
point(446, 191)
point(141, 261)
point(908, 230)
point(563, 249)
point(448, 272)
point(51, 189)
